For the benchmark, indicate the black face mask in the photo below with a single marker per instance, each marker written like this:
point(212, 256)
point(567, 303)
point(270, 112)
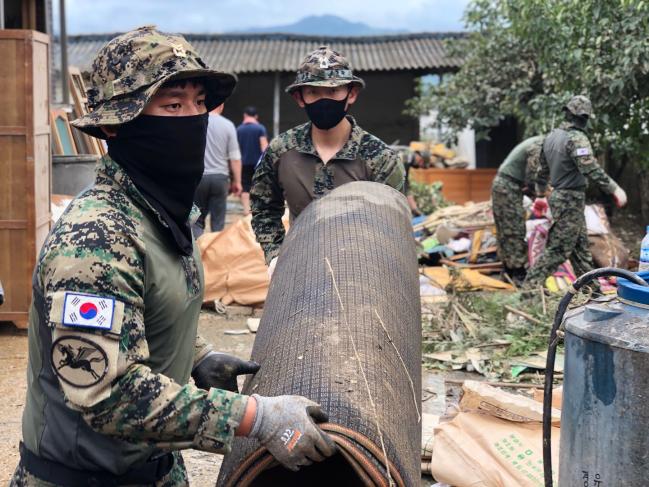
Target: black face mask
point(579, 121)
point(164, 158)
point(326, 113)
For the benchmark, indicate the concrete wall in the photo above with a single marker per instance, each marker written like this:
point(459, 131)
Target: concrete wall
point(378, 109)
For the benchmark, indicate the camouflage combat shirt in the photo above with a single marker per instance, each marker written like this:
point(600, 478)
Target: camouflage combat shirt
point(567, 159)
point(291, 170)
point(113, 339)
point(516, 163)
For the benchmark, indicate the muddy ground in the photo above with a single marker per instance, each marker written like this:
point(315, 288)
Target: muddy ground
point(203, 467)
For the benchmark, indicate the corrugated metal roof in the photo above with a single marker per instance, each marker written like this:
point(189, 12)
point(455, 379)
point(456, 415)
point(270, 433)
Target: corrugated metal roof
point(261, 53)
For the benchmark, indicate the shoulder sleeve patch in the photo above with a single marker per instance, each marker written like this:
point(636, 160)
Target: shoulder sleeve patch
point(81, 310)
point(85, 345)
point(582, 151)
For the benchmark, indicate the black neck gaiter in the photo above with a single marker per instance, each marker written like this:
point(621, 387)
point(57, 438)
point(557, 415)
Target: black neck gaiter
point(163, 156)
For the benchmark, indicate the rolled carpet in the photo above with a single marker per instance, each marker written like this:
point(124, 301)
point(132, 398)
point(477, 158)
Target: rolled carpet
point(342, 326)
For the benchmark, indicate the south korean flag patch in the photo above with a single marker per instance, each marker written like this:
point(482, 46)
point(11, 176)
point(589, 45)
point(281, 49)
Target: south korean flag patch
point(88, 311)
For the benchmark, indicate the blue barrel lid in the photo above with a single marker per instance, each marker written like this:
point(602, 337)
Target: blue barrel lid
point(633, 292)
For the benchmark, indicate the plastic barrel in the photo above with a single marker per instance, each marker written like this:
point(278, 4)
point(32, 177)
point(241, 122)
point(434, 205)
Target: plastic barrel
point(605, 413)
point(72, 174)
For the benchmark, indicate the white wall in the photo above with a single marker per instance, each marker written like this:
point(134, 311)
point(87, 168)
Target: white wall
point(465, 147)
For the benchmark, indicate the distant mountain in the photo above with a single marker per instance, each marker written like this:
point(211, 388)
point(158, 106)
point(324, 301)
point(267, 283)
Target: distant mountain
point(330, 25)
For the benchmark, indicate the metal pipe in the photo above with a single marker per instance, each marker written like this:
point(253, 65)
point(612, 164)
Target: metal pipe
point(276, 102)
point(63, 43)
point(2, 14)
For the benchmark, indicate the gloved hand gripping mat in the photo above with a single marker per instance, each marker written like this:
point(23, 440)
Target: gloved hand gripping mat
point(342, 326)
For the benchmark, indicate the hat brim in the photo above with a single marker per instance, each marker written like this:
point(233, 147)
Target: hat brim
point(122, 109)
point(329, 83)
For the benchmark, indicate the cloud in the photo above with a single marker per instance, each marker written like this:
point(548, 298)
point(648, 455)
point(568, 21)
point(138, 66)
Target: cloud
point(92, 16)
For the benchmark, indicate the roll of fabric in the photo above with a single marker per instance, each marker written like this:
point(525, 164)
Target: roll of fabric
point(342, 326)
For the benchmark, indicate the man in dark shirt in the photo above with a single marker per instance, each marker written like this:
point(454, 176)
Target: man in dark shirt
point(253, 141)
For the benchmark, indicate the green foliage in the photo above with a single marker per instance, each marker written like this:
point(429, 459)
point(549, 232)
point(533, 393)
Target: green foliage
point(429, 197)
point(525, 58)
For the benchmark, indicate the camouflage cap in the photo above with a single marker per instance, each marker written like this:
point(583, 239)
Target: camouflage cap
point(324, 67)
point(129, 70)
point(579, 105)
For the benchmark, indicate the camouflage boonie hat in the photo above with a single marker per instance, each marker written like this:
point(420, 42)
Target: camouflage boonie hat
point(579, 105)
point(129, 70)
point(324, 67)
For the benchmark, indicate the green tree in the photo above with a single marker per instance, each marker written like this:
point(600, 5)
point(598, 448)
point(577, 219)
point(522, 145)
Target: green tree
point(525, 58)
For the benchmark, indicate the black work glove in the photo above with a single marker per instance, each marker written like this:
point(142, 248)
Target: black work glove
point(220, 370)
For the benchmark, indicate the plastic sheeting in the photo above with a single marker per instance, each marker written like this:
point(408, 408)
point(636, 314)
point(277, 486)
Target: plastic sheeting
point(234, 266)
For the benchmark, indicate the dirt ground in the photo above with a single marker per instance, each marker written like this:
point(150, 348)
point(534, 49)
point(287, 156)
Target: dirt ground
point(203, 467)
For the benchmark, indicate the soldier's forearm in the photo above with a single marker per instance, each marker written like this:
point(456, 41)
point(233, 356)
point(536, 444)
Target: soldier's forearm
point(598, 176)
point(151, 408)
point(268, 227)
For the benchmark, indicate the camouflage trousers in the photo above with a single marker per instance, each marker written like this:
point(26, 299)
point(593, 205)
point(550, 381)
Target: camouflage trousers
point(509, 216)
point(567, 238)
point(177, 477)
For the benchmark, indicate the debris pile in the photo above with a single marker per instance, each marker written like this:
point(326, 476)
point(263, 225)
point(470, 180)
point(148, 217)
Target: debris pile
point(441, 157)
point(503, 336)
point(459, 237)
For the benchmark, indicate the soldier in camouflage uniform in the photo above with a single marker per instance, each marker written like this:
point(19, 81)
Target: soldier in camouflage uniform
point(310, 160)
point(567, 159)
point(507, 203)
point(117, 292)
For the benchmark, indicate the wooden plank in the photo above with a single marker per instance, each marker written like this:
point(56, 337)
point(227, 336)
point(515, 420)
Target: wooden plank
point(13, 224)
point(487, 265)
point(476, 243)
point(24, 35)
point(7, 130)
point(20, 319)
point(12, 72)
point(464, 255)
point(28, 14)
point(40, 92)
point(13, 182)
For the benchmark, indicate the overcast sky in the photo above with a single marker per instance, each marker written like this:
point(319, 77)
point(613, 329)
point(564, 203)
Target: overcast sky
point(94, 16)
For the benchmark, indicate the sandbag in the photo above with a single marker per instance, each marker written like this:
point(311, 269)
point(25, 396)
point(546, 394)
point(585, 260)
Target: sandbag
point(342, 326)
point(495, 440)
point(234, 266)
point(478, 450)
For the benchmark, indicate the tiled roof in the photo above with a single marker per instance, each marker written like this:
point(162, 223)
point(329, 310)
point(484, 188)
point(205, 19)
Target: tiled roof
point(259, 53)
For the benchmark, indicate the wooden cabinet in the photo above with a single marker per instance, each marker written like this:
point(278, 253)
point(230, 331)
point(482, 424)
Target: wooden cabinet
point(24, 164)
point(459, 185)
